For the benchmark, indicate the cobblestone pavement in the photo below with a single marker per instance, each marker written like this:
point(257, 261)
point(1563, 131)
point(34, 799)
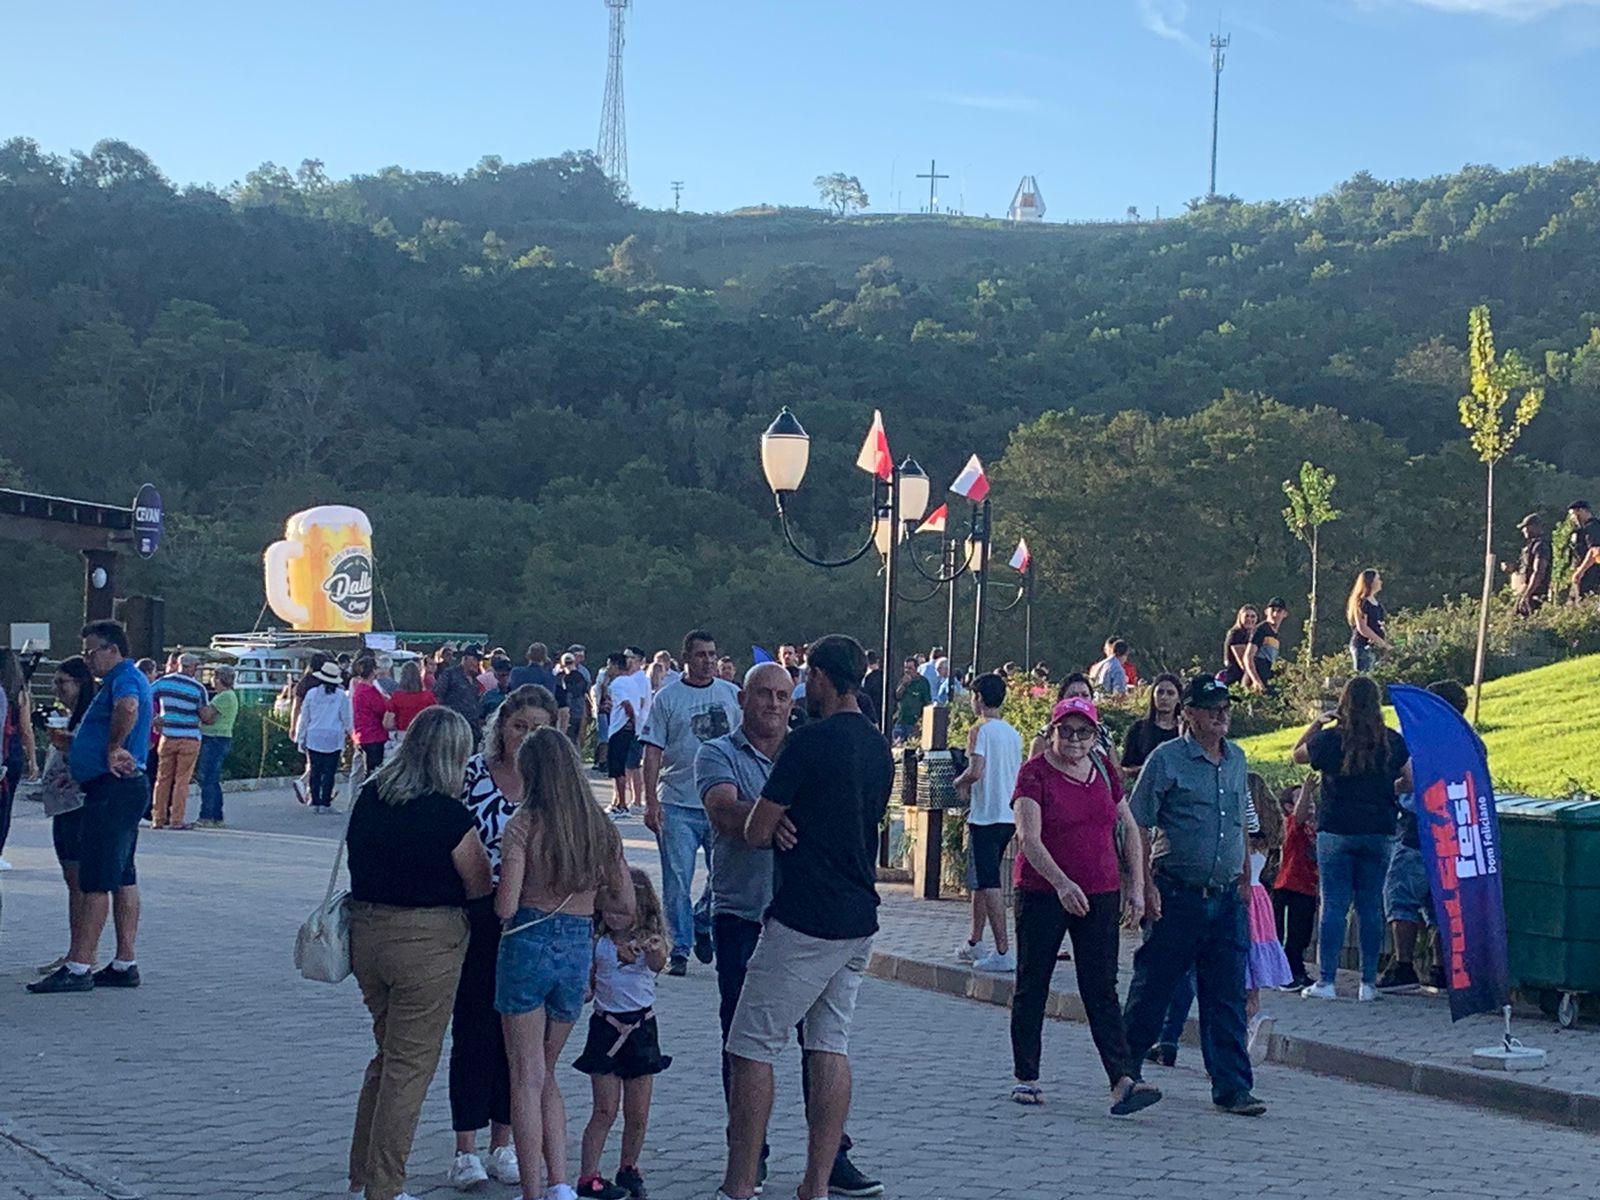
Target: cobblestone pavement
point(227, 1075)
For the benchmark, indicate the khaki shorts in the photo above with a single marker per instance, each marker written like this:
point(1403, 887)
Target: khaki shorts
point(794, 979)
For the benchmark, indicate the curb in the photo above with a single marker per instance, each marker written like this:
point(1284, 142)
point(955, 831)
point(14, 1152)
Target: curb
point(61, 1163)
point(1476, 1088)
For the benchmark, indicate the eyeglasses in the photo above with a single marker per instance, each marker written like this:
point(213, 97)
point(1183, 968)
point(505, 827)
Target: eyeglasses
point(1080, 734)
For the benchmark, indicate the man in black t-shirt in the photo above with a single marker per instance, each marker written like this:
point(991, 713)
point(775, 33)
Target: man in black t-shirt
point(1584, 547)
point(1265, 639)
point(820, 808)
point(1533, 566)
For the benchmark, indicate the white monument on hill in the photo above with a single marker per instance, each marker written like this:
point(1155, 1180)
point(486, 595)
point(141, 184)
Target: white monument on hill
point(1027, 204)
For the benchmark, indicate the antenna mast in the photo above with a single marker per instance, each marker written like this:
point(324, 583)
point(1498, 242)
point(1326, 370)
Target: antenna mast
point(613, 144)
point(1219, 46)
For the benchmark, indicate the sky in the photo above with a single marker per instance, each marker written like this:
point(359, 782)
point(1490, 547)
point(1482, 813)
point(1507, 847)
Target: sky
point(1106, 102)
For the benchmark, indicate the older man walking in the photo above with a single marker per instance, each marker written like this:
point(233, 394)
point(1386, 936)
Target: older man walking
point(1192, 792)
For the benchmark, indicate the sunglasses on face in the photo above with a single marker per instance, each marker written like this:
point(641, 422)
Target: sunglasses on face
point(1080, 733)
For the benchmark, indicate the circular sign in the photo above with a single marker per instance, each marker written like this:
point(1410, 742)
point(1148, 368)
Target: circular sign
point(147, 520)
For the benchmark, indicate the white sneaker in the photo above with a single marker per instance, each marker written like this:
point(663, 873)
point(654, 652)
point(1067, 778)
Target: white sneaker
point(1319, 991)
point(4, 865)
point(503, 1164)
point(1367, 994)
point(560, 1191)
point(999, 963)
point(466, 1172)
point(970, 953)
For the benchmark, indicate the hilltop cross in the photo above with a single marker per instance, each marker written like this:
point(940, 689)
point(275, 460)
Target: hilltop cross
point(933, 178)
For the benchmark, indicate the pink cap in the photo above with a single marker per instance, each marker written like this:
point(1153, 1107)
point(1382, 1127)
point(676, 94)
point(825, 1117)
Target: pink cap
point(1075, 704)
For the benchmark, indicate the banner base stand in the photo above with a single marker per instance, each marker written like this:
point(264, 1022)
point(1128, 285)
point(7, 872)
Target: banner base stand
point(1510, 1054)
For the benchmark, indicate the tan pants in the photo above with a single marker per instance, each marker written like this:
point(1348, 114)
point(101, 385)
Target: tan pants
point(175, 762)
point(408, 962)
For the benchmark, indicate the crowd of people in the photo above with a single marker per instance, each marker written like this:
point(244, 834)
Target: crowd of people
point(490, 894)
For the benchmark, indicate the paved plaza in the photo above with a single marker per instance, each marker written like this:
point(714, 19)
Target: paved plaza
point(227, 1075)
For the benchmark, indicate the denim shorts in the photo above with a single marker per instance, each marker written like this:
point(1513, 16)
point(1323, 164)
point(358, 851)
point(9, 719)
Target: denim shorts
point(544, 966)
point(1406, 895)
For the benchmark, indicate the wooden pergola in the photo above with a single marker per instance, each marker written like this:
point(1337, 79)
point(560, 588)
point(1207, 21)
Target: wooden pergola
point(99, 532)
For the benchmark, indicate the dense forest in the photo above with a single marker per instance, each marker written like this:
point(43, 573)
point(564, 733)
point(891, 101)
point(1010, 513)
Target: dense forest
point(549, 401)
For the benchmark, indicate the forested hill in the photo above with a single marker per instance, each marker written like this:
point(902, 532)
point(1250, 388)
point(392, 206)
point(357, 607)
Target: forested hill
point(549, 400)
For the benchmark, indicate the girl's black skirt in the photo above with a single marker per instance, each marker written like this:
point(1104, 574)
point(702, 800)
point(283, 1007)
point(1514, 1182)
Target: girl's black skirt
point(638, 1056)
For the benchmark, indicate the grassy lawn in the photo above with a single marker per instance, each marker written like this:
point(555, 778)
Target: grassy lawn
point(1542, 729)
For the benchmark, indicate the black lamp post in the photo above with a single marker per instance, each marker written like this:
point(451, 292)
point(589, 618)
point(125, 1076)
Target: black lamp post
point(897, 503)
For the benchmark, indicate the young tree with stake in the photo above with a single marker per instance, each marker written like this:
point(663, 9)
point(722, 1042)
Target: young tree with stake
point(1310, 508)
point(1493, 382)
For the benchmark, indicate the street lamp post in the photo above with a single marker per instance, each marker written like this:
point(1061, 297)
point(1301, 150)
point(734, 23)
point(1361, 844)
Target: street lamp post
point(898, 501)
point(979, 547)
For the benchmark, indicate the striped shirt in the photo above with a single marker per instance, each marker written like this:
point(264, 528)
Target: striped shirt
point(180, 698)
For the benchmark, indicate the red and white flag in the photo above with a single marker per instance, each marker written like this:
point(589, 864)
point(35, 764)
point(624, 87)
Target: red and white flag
point(875, 458)
point(1020, 558)
point(936, 520)
point(972, 483)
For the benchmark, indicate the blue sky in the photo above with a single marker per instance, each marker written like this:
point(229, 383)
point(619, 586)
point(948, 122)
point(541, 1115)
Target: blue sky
point(1107, 102)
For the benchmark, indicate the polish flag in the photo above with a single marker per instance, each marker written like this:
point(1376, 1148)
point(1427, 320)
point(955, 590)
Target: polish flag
point(1021, 559)
point(972, 483)
point(936, 520)
point(875, 458)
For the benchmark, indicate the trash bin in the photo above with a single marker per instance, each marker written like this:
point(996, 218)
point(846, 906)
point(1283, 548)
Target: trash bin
point(1550, 872)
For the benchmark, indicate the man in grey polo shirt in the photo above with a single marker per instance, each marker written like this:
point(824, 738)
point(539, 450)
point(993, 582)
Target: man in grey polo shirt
point(1192, 792)
point(730, 772)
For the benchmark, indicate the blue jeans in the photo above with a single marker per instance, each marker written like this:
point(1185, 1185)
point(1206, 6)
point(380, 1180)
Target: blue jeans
point(1364, 658)
point(683, 831)
point(213, 750)
point(1352, 868)
point(1178, 1010)
point(1209, 935)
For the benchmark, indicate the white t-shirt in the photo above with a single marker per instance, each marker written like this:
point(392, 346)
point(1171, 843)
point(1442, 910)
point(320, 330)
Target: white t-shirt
point(635, 688)
point(1001, 747)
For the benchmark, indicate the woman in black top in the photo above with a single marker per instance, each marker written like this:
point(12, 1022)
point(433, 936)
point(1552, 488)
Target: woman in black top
point(74, 687)
point(1363, 764)
point(415, 861)
point(1158, 725)
point(1366, 618)
point(1238, 654)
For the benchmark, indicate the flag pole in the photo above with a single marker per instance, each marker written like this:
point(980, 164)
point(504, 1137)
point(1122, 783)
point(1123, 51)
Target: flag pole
point(980, 537)
point(1027, 619)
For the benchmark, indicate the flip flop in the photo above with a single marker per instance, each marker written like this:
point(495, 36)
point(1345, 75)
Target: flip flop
point(1140, 1096)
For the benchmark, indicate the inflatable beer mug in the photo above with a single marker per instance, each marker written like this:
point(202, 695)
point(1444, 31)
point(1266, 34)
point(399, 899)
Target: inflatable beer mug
point(319, 577)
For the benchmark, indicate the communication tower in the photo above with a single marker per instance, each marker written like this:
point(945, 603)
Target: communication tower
point(613, 144)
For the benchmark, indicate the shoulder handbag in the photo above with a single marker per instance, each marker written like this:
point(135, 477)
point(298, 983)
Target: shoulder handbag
point(322, 947)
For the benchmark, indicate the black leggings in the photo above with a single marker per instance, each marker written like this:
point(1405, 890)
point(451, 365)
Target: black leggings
point(480, 1079)
point(324, 769)
point(1297, 918)
point(1041, 925)
point(373, 753)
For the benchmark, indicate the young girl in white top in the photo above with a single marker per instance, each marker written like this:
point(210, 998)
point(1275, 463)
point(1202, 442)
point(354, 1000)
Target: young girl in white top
point(623, 1053)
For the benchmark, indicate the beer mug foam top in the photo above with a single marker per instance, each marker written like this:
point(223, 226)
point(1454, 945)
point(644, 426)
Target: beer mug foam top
point(320, 576)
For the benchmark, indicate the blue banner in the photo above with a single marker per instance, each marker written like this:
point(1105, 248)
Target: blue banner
point(759, 655)
point(1460, 835)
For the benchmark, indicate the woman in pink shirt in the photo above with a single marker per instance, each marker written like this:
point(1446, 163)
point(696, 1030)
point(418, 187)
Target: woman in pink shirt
point(367, 706)
point(1068, 804)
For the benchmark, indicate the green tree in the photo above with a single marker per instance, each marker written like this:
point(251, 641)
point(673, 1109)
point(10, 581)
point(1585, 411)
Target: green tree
point(1494, 380)
point(841, 192)
point(1310, 508)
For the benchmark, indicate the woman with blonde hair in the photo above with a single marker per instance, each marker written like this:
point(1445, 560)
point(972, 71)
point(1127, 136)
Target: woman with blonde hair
point(480, 1079)
point(561, 868)
point(415, 863)
point(1366, 617)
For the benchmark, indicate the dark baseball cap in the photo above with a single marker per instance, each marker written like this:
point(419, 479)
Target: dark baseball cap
point(1278, 602)
point(1580, 504)
point(1205, 691)
point(1530, 519)
point(473, 649)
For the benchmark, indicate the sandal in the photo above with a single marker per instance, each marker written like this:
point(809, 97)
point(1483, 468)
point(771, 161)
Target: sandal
point(1026, 1093)
point(1139, 1096)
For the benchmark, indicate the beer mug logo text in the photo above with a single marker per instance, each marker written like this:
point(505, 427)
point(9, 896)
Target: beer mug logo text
point(348, 585)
